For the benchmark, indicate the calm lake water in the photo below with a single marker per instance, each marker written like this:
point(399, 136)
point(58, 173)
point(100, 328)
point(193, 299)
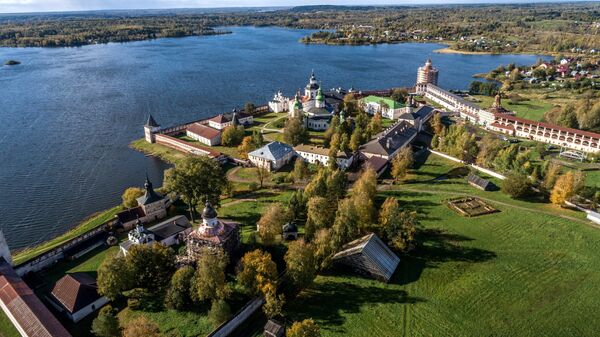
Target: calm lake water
point(67, 115)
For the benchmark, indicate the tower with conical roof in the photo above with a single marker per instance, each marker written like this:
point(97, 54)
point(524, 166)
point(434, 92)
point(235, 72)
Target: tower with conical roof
point(150, 128)
point(312, 87)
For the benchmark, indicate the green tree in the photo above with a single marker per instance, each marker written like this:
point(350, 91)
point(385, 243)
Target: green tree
point(219, 312)
point(151, 266)
point(320, 214)
point(347, 225)
point(402, 162)
point(257, 139)
point(114, 277)
point(178, 294)
point(196, 179)
point(305, 328)
point(297, 205)
point(517, 185)
point(397, 227)
point(295, 132)
point(300, 264)
point(106, 324)
point(249, 108)
point(399, 95)
point(232, 135)
point(323, 247)
point(209, 282)
point(130, 196)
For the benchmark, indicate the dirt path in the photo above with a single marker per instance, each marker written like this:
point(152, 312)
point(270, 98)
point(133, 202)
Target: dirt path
point(566, 217)
point(232, 176)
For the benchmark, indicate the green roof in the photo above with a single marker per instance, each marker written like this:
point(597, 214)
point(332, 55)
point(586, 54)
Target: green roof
point(320, 95)
point(390, 102)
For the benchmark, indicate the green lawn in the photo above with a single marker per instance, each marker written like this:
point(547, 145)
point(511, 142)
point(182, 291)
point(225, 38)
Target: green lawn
point(177, 323)
point(163, 152)
point(532, 109)
point(513, 273)
point(93, 222)
point(7, 329)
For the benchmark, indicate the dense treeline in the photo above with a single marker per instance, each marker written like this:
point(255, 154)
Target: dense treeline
point(491, 28)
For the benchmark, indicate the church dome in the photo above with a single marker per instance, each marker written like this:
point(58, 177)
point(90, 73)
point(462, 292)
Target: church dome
point(320, 96)
point(208, 212)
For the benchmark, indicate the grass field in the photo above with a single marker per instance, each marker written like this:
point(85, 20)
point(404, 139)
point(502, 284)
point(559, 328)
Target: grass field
point(512, 273)
point(93, 222)
point(7, 329)
point(532, 109)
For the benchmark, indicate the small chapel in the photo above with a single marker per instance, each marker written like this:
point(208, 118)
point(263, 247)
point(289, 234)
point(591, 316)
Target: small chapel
point(213, 233)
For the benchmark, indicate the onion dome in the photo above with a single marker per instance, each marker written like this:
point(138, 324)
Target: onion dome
point(208, 212)
point(297, 103)
point(320, 96)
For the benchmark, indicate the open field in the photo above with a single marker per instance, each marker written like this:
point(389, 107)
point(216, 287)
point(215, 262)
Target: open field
point(93, 222)
point(512, 273)
point(532, 109)
point(163, 152)
point(7, 329)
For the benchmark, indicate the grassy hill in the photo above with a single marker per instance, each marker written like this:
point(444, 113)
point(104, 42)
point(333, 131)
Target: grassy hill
point(530, 270)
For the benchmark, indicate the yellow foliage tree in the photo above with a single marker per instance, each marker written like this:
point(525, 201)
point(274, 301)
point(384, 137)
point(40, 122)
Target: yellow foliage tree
point(305, 328)
point(563, 189)
point(246, 146)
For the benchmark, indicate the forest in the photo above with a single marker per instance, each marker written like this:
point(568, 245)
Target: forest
point(549, 28)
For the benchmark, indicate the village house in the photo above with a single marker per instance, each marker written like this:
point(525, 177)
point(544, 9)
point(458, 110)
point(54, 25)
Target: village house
point(169, 232)
point(387, 107)
point(204, 134)
point(315, 154)
point(272, 156)
point(76, 295)
point(151, 207)
point(389, 142)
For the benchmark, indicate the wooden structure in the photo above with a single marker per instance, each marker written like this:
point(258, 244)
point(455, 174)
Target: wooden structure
point(274, 329)
point(368, 256)
point(480, 183)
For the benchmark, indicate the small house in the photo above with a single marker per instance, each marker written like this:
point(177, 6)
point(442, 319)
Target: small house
point(480, 183)
point(77, 296)
point(368, 256)
point(274, 329)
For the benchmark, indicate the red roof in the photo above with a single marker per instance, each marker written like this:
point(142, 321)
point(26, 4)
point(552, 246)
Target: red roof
point(27, 309)
point(76, 291)
point(203, 131)
point(549, 126)
point(219, 119)
point(502, 126)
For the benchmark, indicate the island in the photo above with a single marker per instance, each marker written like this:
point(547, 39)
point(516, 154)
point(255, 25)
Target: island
point(11, 63)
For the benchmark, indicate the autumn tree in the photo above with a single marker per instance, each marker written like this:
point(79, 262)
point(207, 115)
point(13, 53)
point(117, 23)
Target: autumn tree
point(300, 264)
point(273, 302)
point(305, 328)
point(106, 323)
point(402, 162)
point(517, 185)
point(209, 281)
point(178, 294)
point(256, 269)
point(141, 327)
point(376, 124)
point(563, 189)
point(196, 179)
point(249, 108)
point(397, 227)
point(363, 196)
point(323, 247)
point(399, 95)
point(436, 124)
point(301, 171)
point(271, 223)
point(130, 196)
point(347, 225)
point(232, 135)
point(114, 277)
point(551, 173)
point(257, 139)
point(488, 149)
point(245, 147)
point(295, 132)
point(297, 205)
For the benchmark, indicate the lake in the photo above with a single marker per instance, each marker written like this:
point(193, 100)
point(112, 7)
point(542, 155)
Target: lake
point(68, 114)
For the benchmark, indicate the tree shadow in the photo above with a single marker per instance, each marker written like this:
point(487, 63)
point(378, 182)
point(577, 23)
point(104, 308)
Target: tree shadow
point(330, 302)
point(434, 247)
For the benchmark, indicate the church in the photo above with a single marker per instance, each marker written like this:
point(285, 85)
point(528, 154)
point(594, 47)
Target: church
point(313, 106)
point(151, 206)
point(213, 233)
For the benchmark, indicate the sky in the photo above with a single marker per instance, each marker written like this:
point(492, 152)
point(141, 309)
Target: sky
point(20, 6)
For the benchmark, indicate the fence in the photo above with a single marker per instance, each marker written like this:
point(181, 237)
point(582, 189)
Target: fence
point(180, 145)
point(227, 328)
point(478, 168)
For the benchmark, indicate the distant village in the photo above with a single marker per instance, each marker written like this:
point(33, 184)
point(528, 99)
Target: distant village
point(148, 221)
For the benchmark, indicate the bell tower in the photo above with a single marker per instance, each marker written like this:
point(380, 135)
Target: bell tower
point(150, 128)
